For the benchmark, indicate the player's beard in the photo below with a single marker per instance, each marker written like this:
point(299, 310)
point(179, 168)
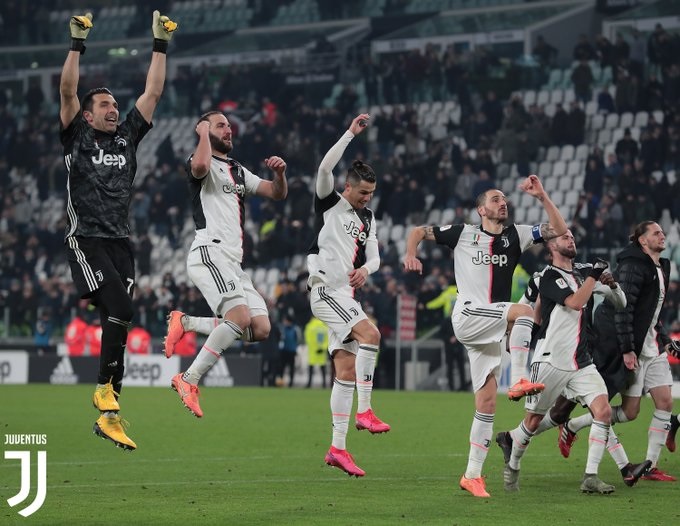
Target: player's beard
point(219, 145)
point(568, 252)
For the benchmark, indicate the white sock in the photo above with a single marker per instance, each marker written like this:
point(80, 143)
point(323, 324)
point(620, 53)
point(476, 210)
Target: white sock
point(546, 423)
point(219, 341)
point(520, 339)
point(576, 424)
point(201, 325)
point(597, 441)
point(480, 436)
point(365, 368)
point(657, 433)
point(521, 437)
point(342, 398)
point(618, 416)
point(616, 450)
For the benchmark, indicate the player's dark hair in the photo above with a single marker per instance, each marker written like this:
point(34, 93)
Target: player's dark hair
point(206, 116)
point(360, 171)
point(88, 99)
point(640, 229)
point(481, 198)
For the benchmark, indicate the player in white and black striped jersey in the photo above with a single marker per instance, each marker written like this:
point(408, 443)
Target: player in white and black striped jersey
point(484, 259)
point(563, 360)
point(342, 255)
point(219, 186)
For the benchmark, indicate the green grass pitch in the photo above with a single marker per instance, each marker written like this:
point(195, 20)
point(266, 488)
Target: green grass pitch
point(257, 458)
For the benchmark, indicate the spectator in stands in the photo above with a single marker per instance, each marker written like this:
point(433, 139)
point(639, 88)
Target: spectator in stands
point(582, 79)
point(583, 50)
point(604, 50)
point(626, 148)
point(545, 53)
point(218, 185)
point(99, 191)
point(558, 126)
point(576, 124)
point(605, 101)
point(628, 91)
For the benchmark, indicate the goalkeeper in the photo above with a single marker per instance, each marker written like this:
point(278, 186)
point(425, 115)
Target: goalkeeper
point(100, 159)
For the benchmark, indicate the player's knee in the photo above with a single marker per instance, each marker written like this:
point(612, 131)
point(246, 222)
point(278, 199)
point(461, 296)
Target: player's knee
point(603, 413)
point(123, 310)
point(260, 331)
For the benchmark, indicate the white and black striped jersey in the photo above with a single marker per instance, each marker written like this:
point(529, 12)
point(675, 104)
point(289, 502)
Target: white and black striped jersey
point(343, 236)
point(483, 263)
point(564, 337)
point(101, 168)
point(218, 201)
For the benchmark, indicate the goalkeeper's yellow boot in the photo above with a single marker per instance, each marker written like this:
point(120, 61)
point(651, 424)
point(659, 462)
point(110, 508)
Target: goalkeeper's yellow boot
point(113, 428)
point(105, 398)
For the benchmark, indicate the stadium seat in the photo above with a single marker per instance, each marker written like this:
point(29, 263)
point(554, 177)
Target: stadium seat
point(567, 152)
point(571, 198)
point(581, 152)
point(543, 98)
point(626, 120)
point(559, 168)
point(529, 97)
point(597, 121)
point(545, 169)
point(550, 184)
point(658, 116)
point(397, 232)
point(553, 153)
point(556, 96)
point(604, 137)
point(566, 183)
point(641, 119)
point(612, 121)
point(573, 168)
point(534, 215)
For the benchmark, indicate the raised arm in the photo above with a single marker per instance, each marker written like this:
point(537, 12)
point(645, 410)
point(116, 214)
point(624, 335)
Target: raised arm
point(163, 29)
point(556, 225)
point(79, 26)
point(324, 177)
point(415, 236)
point(200, 161)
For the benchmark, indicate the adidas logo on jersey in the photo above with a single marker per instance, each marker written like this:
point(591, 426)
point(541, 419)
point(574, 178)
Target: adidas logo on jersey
point(219, 375)
point(63, 373)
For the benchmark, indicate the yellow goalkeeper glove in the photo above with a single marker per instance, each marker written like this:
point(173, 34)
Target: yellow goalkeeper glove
point(79, 27)
point(162, 28)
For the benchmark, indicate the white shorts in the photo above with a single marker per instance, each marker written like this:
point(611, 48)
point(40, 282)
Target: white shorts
point(652, 371)
point(582, 385)
point(484, 360)
point(223, 282)
point(480, 324)
point(338, 309)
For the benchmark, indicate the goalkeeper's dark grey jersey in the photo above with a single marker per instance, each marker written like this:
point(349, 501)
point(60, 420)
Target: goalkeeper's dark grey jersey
point(101, 168)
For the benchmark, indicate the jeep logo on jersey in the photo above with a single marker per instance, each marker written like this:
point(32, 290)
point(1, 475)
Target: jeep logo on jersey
point(355, 231)
point(108, 159)
point(487, 259)
point(233, 188)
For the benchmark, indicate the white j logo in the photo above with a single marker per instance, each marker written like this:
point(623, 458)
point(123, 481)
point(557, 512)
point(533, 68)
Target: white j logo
point(25, 457)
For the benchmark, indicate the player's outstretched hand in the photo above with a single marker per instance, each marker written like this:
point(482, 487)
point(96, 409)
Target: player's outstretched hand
point(80, 26)
point(413, 264)
point(359, 123)
point(532, 186)
point(163, 27)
